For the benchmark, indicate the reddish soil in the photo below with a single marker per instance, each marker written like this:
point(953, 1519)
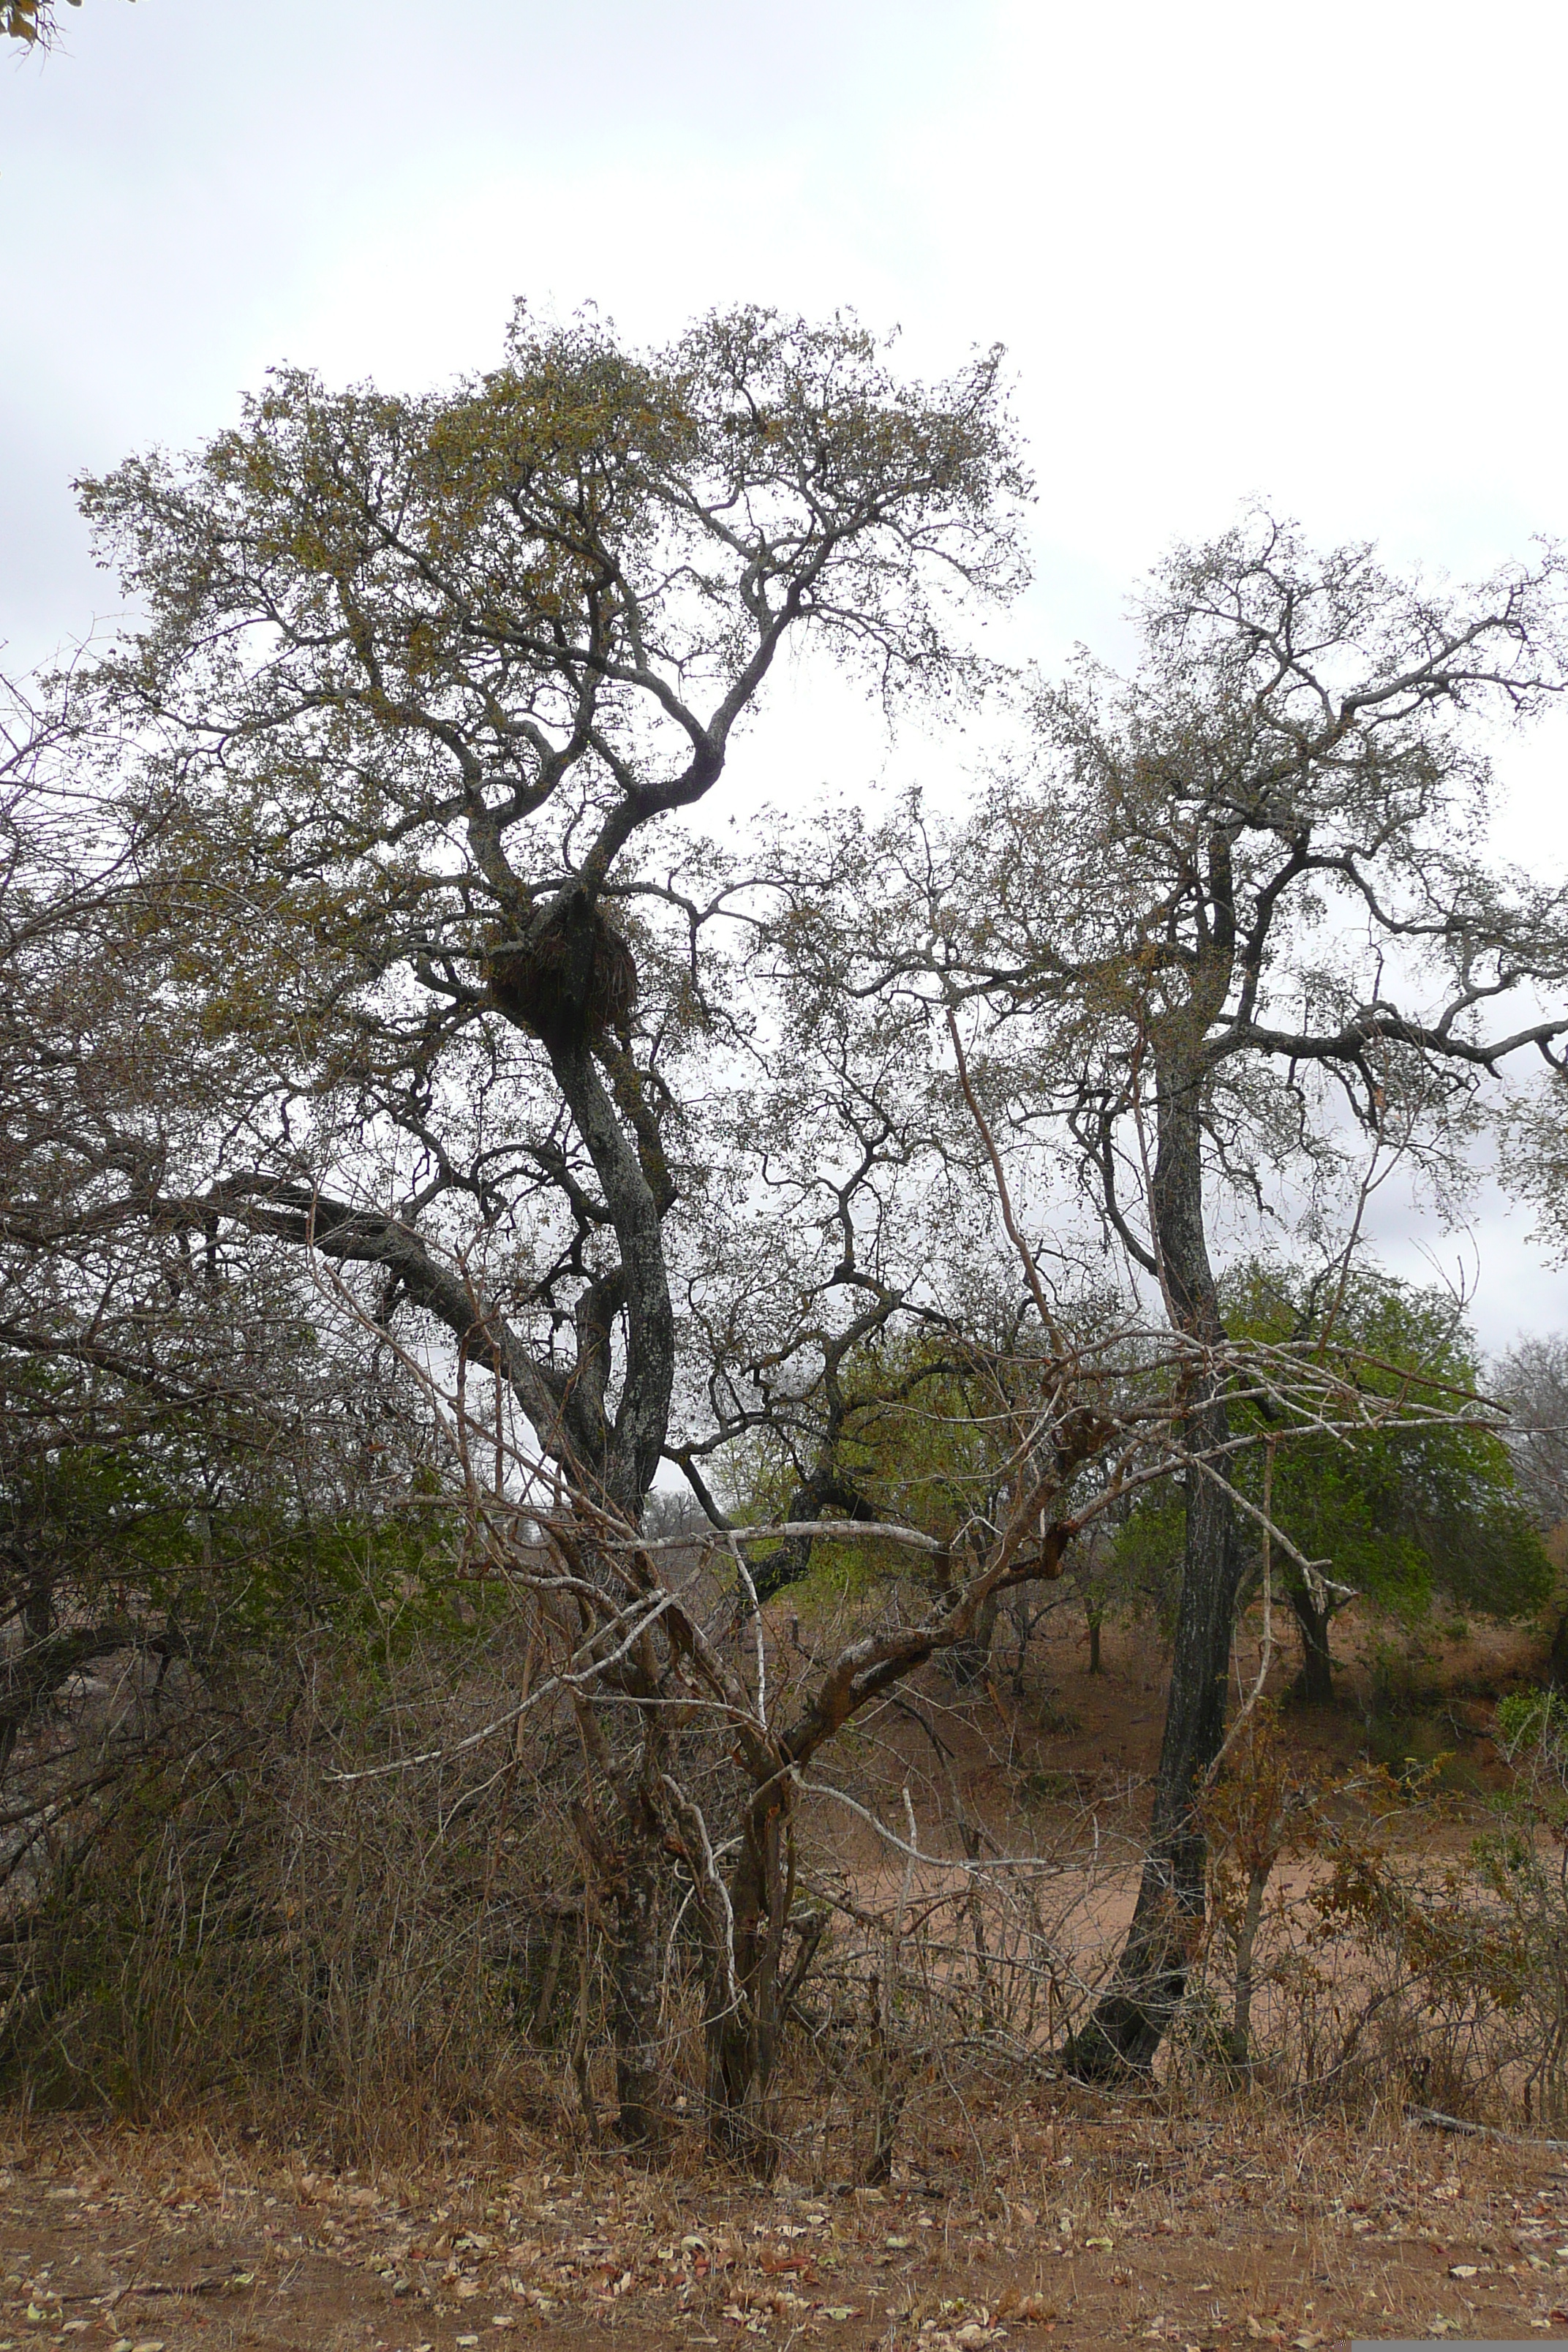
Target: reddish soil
point(1097, 2228)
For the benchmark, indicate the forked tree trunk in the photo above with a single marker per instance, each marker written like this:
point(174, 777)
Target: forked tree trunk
point(1316, 1681)
point(1135, 2012)
point(747, 1991)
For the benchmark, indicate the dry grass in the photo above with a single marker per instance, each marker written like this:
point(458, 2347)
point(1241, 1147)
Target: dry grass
point(1087, 2224)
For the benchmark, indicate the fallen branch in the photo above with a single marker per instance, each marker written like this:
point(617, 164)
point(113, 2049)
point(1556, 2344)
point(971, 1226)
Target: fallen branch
point(1439, 2122)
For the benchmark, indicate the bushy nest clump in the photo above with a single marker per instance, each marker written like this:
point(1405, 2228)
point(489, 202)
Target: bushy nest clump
point(569, 977)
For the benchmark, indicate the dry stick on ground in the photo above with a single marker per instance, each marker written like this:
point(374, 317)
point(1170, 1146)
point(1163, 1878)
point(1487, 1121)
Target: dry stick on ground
point(1436, 2121)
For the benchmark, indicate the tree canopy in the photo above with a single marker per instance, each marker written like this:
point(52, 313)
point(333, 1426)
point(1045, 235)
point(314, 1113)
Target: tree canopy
point(420, 678)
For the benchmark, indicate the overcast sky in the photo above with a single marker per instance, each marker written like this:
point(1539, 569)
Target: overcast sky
point(1315, 254)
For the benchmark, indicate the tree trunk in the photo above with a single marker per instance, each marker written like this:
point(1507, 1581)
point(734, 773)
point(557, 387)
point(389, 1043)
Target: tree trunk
point(742, 2032)
point(1135, 2013)
point(636, 1988)
point(747, 1991)
point(1095, 1621)
point(624, 1857)
point(1315, 1684)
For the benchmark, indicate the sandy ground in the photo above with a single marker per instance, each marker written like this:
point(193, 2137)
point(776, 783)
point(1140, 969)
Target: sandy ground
point(1097, 2229)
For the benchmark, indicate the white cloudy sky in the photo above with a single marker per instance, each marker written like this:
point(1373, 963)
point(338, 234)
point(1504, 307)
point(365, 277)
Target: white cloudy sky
point(1314, 254)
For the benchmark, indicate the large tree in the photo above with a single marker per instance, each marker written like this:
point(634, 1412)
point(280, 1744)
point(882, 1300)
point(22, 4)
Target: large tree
point(420, 678)
point(421, 681)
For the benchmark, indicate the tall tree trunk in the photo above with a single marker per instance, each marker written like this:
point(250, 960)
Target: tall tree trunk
point(1315, 1683)
point(743, 2030)
point(636, 1989)
point(623, 1454)
point(1135, 2013)
point(1096, 1617)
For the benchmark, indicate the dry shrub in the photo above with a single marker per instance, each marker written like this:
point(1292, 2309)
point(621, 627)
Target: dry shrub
point(1401, 1957)
point(248, 1911)
point(362, 1959)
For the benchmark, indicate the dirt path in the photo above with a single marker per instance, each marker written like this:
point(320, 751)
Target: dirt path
point(1102, 2231)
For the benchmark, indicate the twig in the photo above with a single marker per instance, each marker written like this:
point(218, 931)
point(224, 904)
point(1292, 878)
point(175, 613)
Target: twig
point(564, 1681)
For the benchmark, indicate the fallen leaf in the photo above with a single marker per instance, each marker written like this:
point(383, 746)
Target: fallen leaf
point(1463, 2269)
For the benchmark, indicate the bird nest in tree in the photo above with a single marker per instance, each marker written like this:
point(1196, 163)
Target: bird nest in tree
point(568, 977)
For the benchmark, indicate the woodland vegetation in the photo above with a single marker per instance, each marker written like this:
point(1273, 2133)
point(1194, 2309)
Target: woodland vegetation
point(552, 1343)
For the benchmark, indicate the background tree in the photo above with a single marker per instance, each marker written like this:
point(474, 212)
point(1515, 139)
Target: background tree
point(1261, 881)
point(203, 1476)
point(1223, 908)
point(1531, 1380)
point(1426, 1506)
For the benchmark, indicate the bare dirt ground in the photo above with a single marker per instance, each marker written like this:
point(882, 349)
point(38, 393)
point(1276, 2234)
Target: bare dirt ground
point(1096, 2228)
